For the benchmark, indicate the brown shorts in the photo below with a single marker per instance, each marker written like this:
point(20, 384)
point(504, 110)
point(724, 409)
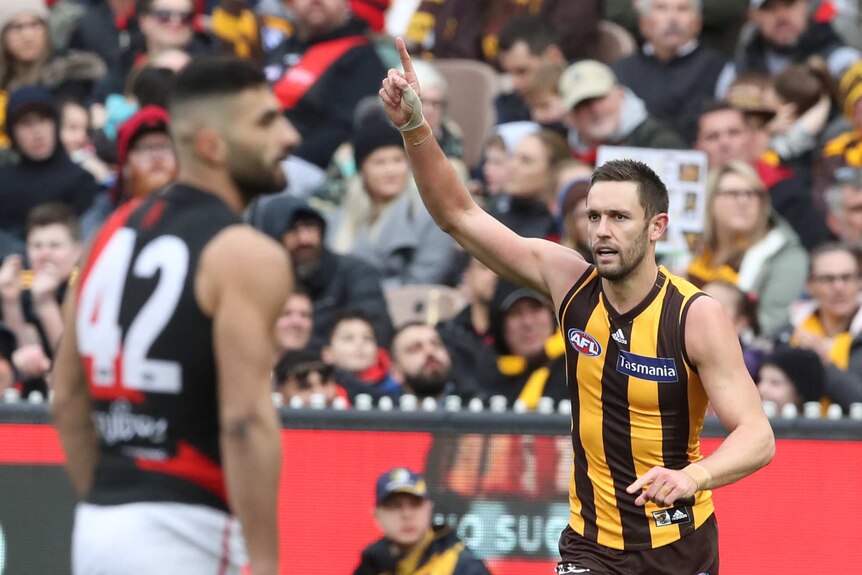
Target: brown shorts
point(694, 554)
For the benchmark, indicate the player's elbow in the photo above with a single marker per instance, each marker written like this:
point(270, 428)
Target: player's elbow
point(240, 425)
point(767, 442)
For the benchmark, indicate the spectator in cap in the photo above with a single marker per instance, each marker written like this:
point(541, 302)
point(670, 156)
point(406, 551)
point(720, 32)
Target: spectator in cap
point(531, 362)
point(845, 149)
point(411, 543)
point(787, 32)
point(600, 111)
point(146, 163)
point(791, 375)
point(382, 219)
point(42, 171)
point(334, 282)
point(672, 72)
point(27, 58)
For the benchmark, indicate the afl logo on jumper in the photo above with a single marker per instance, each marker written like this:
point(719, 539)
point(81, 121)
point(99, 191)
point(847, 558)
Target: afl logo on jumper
point(660, 369)
point(584, 343)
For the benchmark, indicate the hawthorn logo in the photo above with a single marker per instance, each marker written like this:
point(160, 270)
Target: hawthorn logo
point(584, 343)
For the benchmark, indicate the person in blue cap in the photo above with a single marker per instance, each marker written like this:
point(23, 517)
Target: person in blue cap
point(411, 543)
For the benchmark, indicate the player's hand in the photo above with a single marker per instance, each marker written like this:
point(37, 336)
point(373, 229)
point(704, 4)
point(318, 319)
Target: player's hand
point(400, 109)
point(663, 486)
point(10, 278)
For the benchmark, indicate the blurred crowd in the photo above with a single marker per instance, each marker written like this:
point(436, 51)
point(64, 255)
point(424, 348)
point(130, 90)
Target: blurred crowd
point(521, 96)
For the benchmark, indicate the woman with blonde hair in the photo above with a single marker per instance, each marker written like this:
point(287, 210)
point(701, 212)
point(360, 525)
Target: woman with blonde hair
point(747, 244)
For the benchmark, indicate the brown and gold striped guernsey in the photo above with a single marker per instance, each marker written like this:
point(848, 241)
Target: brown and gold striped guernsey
point(636, 403)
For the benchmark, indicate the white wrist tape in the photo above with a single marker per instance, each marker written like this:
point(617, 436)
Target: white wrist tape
point(411, 104)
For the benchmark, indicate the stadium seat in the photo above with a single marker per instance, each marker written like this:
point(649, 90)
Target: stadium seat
point(428, 304)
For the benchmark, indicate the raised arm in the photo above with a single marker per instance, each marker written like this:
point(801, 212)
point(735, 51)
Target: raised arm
point(243, 283)
point(713, 347)
point(544, 266)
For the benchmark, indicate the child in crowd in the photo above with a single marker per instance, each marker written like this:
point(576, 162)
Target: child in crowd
point(361, 365)
point(742, 311)
point(302, 373)
point(792, 375)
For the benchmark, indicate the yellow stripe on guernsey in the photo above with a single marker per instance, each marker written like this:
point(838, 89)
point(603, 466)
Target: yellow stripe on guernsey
point(623, 414)
point(839, 348)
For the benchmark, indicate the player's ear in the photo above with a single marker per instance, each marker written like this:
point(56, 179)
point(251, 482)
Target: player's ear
point(658, 226)
point(210, 147)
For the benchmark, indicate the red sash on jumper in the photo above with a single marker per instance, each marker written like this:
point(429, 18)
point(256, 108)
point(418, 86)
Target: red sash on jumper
point(300, 78)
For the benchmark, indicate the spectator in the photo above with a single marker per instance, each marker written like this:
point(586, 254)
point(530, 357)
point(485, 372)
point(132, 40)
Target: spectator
point(543, 99)
point(422, 364)
point(468, 335)
point(746, 244)
point(475, 30)
point(791, 376)
point(525, 44)
point(27, 58)
point(494, 166)
point(75, 136)
point(8, 343)
point(528, 199)
point(532, 351)
point(435, 99)
point(382, 219)
point(146, 163)
point(599, 111)
point(334, 282)
point(32, 298)
point(411, 544)
point(844, 200)
point(301, 373)
point(293, 328)
point(320, 74)
point(787, 32)
point(106, 28)
point(845, 149)
point(361, 365)
point(573, 184)
point(830, 323)
point(165, 26)
point(726, 136)
point(742, 311)
point(43, 171)
point(672, 72)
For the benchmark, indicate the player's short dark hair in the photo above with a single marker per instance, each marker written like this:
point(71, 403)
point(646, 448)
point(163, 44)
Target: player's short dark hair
point(534, 30)
point(214, 76)
point(652, 192)
point(53, 213)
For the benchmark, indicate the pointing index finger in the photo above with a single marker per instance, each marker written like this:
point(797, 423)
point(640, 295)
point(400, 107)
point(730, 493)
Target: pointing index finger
point(406, 63)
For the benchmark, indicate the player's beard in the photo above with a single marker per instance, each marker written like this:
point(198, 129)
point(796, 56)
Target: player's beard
point(252, 175)
point(628, 259)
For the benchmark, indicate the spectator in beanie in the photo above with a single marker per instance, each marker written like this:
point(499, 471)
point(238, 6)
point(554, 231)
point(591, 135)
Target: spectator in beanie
point(382, 219)
point(334, 282)
point(40, 171)
point(791, 375)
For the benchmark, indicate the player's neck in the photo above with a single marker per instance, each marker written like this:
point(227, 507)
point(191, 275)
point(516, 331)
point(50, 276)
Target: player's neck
point(625, 294)
point(215, 183)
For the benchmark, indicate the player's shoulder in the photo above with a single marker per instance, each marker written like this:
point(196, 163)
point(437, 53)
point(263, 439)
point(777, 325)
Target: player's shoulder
point(242, 246)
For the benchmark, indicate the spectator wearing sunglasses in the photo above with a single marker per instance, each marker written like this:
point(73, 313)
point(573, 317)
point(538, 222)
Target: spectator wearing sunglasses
point(302, 373)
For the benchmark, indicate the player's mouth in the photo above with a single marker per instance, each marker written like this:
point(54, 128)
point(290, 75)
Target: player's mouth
point(605, 254)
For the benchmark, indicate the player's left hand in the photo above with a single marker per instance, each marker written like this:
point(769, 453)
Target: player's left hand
point(665, 486)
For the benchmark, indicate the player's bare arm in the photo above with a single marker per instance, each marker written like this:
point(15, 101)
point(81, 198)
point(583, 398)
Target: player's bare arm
point(70, 407)
point(713, 347)
point(547, 267)
point(243, 283)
